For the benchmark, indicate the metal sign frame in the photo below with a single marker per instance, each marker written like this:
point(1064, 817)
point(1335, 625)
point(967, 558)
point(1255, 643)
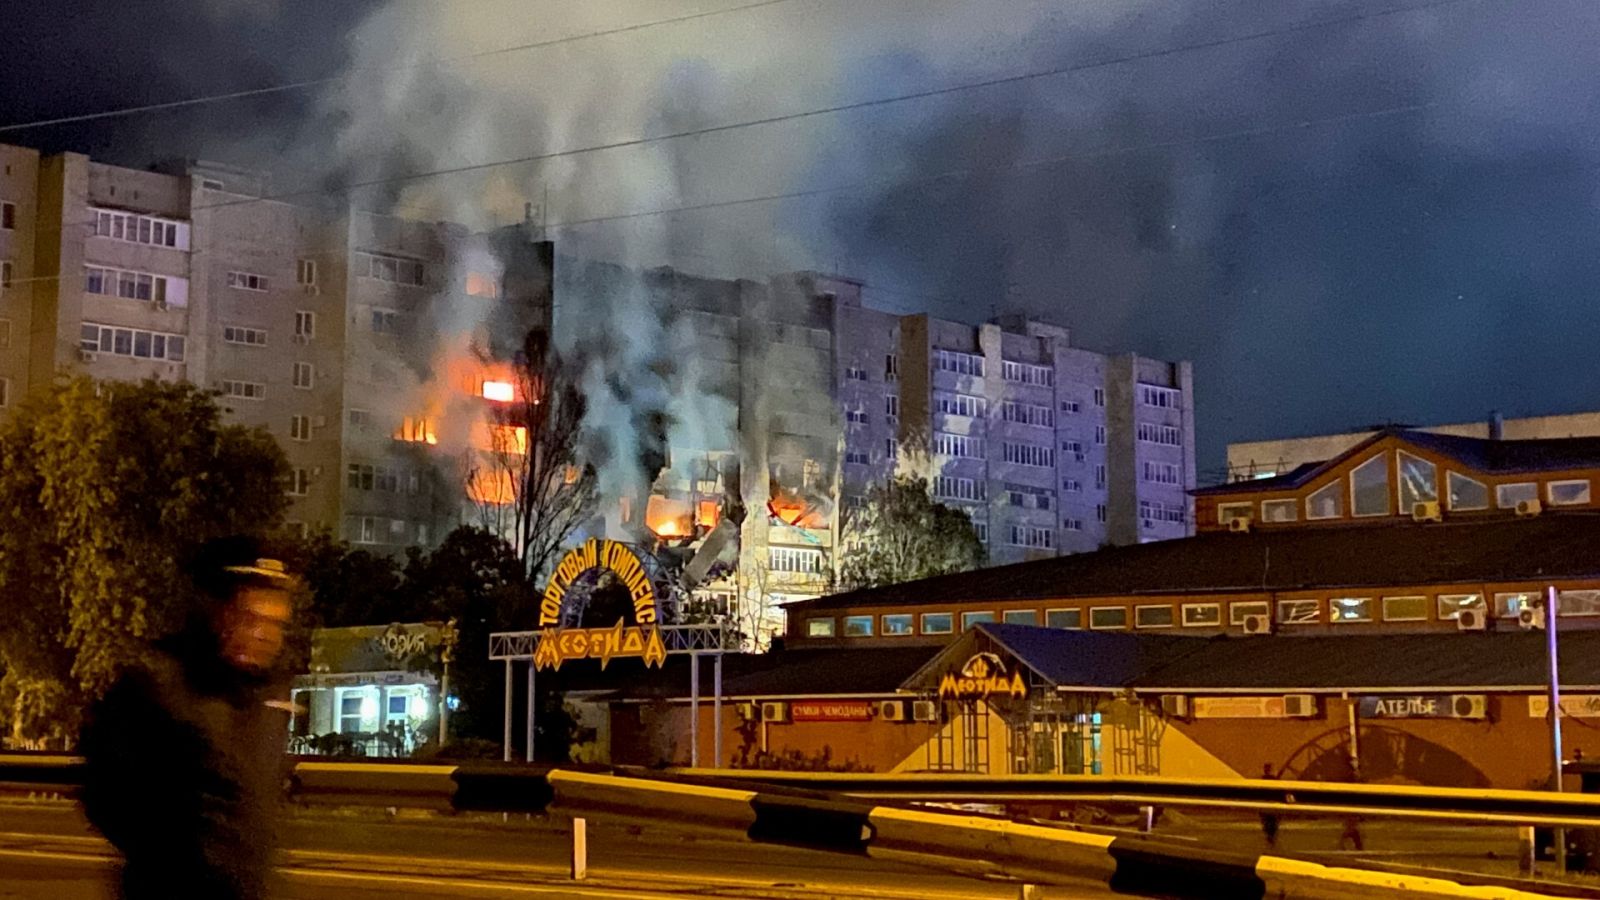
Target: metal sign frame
point(694, 641)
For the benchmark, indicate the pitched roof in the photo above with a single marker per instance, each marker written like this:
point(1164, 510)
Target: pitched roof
point(1500, 457)
point(1557, 544)
point(1088, 659)
point(780, 673)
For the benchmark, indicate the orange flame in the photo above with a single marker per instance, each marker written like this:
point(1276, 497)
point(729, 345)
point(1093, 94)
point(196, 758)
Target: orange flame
point(499, 391)
point(491, 487)
point(416, 430)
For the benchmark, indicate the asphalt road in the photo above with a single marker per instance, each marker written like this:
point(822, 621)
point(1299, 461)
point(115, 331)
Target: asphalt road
point(48, 851)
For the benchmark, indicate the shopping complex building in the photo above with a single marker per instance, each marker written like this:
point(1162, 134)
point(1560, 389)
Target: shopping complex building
point(1397, 640)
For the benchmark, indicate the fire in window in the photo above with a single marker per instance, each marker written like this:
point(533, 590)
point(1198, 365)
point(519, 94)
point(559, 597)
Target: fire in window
point(499, 391)
point(416, 430)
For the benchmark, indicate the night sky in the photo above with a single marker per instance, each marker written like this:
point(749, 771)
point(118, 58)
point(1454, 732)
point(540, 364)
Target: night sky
point(1366, 212)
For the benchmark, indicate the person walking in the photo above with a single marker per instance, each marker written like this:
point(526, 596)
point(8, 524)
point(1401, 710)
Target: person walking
point(184, 754)
point(1269, 820)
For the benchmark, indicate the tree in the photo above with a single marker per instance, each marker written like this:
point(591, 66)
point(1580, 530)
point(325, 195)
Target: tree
point(902, 534)
point(528, 485)
point(105, 491)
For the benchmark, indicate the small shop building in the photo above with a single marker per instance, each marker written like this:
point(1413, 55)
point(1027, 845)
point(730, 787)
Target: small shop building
point(371, 691)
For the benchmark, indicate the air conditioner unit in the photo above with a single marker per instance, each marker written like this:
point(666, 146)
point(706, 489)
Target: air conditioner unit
point(316, 471)
point(161, 304)
point(1175, 706)
point(1258, 623)
point(1529, 507)
point(87, 356)
point(747, 711)
point(1531, 617)
point(1426, 511)
point(1469, 706)
point(1472, 619)
point(1300, 706)
point(1239, 523)
point(773, 711)
point(892, 710)
point(924, 711)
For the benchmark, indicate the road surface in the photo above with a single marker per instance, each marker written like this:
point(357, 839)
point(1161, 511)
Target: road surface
point(48, 851)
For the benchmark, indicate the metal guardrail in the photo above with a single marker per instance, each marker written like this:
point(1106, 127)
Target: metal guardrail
point(798, 816)
point(1499, 807)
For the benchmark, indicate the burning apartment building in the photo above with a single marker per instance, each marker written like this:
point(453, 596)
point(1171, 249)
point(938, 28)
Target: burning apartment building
point(731, 423)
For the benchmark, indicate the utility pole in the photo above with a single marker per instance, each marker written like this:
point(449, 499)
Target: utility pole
point(1551, 608)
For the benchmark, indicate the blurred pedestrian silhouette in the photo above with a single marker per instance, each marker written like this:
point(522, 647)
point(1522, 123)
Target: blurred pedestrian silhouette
point(184, 754)
point(1269, 821)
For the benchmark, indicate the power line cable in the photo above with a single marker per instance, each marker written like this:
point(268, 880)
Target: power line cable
point(318, 82)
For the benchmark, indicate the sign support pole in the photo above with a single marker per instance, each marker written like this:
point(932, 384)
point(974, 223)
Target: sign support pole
point(716, 712)
point(694, 710)
point(1551, 611)
point(506, 739)
point(531, 711)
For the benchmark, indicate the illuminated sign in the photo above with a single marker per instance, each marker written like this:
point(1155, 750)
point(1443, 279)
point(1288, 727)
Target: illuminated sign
point(830, 711)
point(1238, 708)
point(983, 675)
point(619, 559)
point(1423, 706)
point(1578, 706)
point(557, 645)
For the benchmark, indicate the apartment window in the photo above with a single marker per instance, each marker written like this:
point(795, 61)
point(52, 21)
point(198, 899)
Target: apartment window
point(947, 487)
point(137, 229)
point(969, 619)
point(5, 333)
point(299, 482)
point(1467, 493)
point(392, 269)
point(855, 373)
point(938, 623)
point(1072, 524)
point(1073, 447)
point(857, 457)
point(1163, 398)
point(360, 477)
point(130, 285)
point(1100, 435)
point(482, 284)
point(8, 216)
point(1020, 617)
point(1070, 406)
point(891, 448)
point(1578, 603)
point(305, 272)
point(1026, 373)
point(858, 626)
point(1327, 502)
point(819, 628)
point(856, 416)
point(1108, 617)
point(1027, 414)
point(1099, 396)
point(5, 275)
point(250, 337)
point(247, 281)
point(891, 368)
point(1028, 454)
point(1031, 536)
point(5, 392)
point(123, 342)
point(366, 530)
point(1072, 485)
point(1418, 482)
point(801, 560)
point(1350, 609)
point(981, 529)
point(1162, 473)
point(1405, 609)
point(957, 445)
point(1202, 615)
point(1451, 605)
point(1156, 511)
point(299, 428)
point(959, 404)
point(1100, 512)
point(1279, 510)
point(1063, 618)
point(359, 418)
point(1152, 616)
point(891, 408)
point(959, 363)
point(1238, 612)
point(1029, 497)
point(1166, 435)
point(1298, 612)
point(1507, 606)
point(1507, 496)
point(897, 624)
point(303, 376)
point(305, 324)
point(244, 390)
point(1568, 493)
point(1369, 487)
point(385, 321)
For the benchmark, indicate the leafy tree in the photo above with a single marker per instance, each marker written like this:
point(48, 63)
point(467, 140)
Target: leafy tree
point(105, 490)
point(529, 486)
point(902, 534)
